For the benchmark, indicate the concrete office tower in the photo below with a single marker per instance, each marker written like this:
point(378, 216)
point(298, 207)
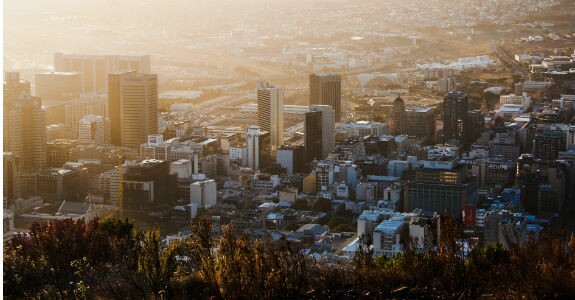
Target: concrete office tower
point(95, 68)
point(326, 89)
point(327, 127)
point(114, 106)
point(258, 147)
point(92, 130)
point(58, 85)
point(313, 133)
point(455, 119)
point(440, 185)
point(133, 108)
point(24, 125)
point(271, 112)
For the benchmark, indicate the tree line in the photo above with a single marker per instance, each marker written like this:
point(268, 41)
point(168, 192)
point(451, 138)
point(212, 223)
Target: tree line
point(112, 259)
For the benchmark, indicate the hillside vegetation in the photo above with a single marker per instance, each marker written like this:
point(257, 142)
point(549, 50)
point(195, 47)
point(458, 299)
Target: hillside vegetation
point(112, 259)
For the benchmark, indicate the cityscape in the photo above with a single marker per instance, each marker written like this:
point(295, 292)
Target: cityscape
point(320, 149)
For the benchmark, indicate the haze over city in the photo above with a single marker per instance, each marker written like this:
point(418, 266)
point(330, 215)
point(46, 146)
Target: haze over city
point(289, 149)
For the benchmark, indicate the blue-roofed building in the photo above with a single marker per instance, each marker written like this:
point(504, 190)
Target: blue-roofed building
point(386, 237)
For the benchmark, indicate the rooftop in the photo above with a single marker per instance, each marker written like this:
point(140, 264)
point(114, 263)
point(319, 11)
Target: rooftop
point(419, 109)
point(389, 226)
point(60, 73)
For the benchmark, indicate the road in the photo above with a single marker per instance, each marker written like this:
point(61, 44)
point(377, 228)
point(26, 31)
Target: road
point(495, 45)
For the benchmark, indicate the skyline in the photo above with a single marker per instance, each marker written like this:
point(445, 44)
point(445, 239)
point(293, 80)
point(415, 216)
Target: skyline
point(360, 139)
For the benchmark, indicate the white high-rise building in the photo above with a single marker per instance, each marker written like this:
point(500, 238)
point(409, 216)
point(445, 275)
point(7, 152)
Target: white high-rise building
point(92, 130)
point(271, 112)
point(239, 154)
point(327, 127)
point(258, 147)
point(204, 193)
point(108, 184)
point(253, 147)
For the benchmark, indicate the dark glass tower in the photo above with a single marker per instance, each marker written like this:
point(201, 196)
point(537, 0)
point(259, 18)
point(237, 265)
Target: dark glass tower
point(313, 135)
point(455, 119)
point(326, 89)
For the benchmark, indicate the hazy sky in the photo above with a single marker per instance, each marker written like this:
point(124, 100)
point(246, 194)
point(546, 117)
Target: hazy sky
point(35, 29)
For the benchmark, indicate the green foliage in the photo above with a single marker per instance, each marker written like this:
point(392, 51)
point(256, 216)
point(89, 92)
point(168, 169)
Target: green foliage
point(64, 259)
point(321, 205)
point(363, 263)
point(381, 261)
point(301, 204)
point(292, 227)
point(335, 221)
point(343, 228)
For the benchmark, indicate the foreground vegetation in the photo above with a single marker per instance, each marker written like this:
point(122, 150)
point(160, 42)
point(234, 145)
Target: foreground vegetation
point(112, 259)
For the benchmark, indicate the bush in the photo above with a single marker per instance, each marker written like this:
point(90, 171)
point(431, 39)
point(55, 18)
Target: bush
point(300, 204)
point(321, 205)
point(111, 259)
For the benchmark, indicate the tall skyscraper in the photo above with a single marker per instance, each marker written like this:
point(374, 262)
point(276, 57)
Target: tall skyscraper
point(13, 87)
point(326, 89)
point(398, 118)
point(138, 108)
point(313, 135)
point(95, 68)
point(327, 128)
point(455, 119)
point(132, 108)
point(258, 147)
point(271, 112)
point(114, 106)
point(24, 124)
point(92, 130)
